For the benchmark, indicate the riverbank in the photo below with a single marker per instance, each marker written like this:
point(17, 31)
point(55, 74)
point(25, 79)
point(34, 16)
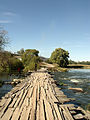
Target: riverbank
point(55, 67)
point(78, 66)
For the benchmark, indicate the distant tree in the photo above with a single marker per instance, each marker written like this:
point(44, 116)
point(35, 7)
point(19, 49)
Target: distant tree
point(21, 51)
point(30, 58)
point(72, 62)
point(3, 38)
point(60, 56)
point(32, 52)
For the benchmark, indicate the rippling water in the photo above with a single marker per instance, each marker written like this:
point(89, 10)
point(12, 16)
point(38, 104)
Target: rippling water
point(77, 78)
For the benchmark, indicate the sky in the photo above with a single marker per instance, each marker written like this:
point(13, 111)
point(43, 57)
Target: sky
point(48, 24)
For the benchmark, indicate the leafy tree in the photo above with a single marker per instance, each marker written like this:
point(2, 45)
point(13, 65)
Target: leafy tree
point(30, 58)
point(3, 39)
point(60, 56)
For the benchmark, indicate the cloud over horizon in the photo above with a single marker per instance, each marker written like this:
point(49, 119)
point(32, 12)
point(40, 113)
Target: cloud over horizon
point(5, 21)
point(9, 13)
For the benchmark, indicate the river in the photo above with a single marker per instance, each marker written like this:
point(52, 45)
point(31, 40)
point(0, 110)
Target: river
point(75, 78)
point(6, 87)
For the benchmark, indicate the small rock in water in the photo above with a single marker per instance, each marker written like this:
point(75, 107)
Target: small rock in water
point(74, 80)
point(76, 89)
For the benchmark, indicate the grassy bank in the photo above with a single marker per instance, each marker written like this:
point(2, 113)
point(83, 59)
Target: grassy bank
point(78, 66)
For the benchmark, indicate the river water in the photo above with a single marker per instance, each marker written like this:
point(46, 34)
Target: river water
point(76, 78)
point(6, 87)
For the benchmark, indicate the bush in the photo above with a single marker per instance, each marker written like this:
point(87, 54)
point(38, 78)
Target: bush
point(15, 64)
point(8, 63)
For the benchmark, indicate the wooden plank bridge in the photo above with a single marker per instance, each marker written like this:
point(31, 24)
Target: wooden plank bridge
point(38, 98)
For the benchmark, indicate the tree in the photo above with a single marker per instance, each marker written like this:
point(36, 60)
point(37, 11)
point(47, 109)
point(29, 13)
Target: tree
point(30, 58)
point(60, 56)
point(3, 38)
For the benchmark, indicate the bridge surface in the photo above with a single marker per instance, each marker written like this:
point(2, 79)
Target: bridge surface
point(38, 98)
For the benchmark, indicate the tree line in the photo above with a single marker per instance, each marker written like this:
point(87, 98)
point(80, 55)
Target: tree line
point(82, 62)
point(30, 59)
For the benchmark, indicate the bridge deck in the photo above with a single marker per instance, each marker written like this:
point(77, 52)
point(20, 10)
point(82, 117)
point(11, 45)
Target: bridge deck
point(38, 98)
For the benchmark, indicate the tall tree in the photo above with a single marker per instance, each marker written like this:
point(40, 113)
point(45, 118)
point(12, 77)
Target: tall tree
point(3, 38)
point(60, 56)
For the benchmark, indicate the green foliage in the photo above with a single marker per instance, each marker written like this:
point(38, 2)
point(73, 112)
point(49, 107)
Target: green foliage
point(61, 83)
point(60, 56)
point(8, 63)
point(82, 62)
point(30, 58)
point(48, 61)
point(72, 62)
point(15, 64)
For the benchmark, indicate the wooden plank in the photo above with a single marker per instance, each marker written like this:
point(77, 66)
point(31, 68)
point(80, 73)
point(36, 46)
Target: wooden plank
point(73, 112)
point(23, 115)
point(5, 107)
point(28, 111)
point(67, 113)
point(38, 112)
point(61, 113)
point(52, 95)
point(33, 111)
point(18, 99)
point(30, 91)
point(57, 112)
point(16, 114)
point(49, 113)
point(42, 112)
point(79, 116)
point(7, 114)
point(22, 99)
point(2, 102)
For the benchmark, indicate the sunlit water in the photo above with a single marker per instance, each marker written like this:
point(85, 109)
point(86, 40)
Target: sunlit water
point(77, 78)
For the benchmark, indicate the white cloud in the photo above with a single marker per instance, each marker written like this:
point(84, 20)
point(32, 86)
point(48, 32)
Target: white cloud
point(9, 14)
point(5, 21)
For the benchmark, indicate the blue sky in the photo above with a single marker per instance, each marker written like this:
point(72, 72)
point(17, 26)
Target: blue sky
point(48, 24)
